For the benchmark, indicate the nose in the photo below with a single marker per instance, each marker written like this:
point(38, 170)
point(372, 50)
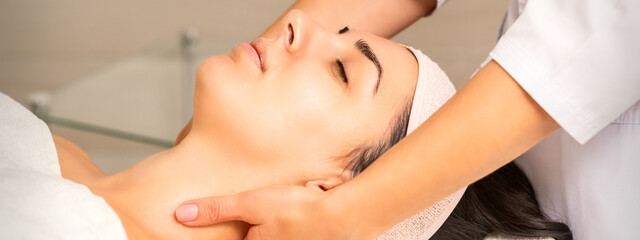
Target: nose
point(296, 32)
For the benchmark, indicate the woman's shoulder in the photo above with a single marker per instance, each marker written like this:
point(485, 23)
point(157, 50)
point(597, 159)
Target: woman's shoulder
point(75, 163)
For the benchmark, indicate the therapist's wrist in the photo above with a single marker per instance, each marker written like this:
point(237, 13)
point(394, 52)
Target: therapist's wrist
point(346, 216)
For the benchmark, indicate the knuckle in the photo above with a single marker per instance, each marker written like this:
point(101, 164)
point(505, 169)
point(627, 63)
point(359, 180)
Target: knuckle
point(213, 211)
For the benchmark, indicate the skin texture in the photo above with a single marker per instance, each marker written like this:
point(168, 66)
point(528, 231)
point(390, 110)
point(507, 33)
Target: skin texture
point(489, 122)
point(281, 124)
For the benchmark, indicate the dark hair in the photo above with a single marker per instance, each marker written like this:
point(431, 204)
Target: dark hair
point(500, 204)
point(361, 157)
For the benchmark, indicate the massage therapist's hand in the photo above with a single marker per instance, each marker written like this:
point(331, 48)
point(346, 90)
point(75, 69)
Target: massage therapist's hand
point(280, 212)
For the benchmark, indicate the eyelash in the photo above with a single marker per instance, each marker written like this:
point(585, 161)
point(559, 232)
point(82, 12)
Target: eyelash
point(343, 74)
point(343, 30)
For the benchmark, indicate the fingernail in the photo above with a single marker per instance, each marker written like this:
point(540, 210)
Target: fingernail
point(187, 212)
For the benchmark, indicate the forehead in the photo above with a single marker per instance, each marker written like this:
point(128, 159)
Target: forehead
point(400, 74)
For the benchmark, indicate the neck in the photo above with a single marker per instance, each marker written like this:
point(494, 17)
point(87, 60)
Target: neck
point(145, 195)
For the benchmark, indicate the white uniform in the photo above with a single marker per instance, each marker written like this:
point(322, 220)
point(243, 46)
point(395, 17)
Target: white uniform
point(580, 61)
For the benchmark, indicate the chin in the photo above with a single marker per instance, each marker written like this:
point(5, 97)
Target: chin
point(212, 67)
point(214, 79)
point(209, 85)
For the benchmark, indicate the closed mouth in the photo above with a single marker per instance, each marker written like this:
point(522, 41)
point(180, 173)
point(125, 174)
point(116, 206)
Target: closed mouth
point(260, 50)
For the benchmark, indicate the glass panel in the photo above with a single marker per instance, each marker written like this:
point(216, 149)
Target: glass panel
point(144, 97)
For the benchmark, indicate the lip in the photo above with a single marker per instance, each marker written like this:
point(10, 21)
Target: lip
point(253, 53)
point(259, 45)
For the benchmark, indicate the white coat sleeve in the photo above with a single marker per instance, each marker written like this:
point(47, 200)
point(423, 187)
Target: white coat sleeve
point(579, 60)
point(440, 3)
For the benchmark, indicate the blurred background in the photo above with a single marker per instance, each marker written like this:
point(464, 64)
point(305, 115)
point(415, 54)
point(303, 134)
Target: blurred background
point(116, 77)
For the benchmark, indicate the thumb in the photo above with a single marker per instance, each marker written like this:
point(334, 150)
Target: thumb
point(212, 210)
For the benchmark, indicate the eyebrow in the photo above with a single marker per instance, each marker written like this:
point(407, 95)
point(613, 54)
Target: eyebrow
point(366, 50)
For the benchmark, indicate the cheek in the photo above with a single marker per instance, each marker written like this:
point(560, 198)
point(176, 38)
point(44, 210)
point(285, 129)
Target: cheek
point(295, 112)
point(312, 96)
point(318, 115)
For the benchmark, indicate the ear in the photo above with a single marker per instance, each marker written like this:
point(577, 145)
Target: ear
point(327, 183)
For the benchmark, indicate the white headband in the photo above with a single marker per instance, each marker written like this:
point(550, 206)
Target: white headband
point(432, 91)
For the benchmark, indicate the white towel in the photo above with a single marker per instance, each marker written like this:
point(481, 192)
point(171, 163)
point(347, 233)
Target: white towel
point(35, 201)
point(433, 89)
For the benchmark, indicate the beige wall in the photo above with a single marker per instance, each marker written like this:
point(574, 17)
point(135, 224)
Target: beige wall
point(458, 36)
point(46, 44)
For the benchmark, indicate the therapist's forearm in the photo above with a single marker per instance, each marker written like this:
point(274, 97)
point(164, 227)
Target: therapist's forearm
point(488, 123)
point(384, 18)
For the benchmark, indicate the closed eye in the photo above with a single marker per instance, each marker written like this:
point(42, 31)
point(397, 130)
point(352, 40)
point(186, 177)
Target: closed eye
point(343, 74)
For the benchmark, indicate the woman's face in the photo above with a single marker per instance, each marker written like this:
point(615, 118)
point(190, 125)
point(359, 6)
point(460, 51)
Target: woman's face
point(285, 100)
